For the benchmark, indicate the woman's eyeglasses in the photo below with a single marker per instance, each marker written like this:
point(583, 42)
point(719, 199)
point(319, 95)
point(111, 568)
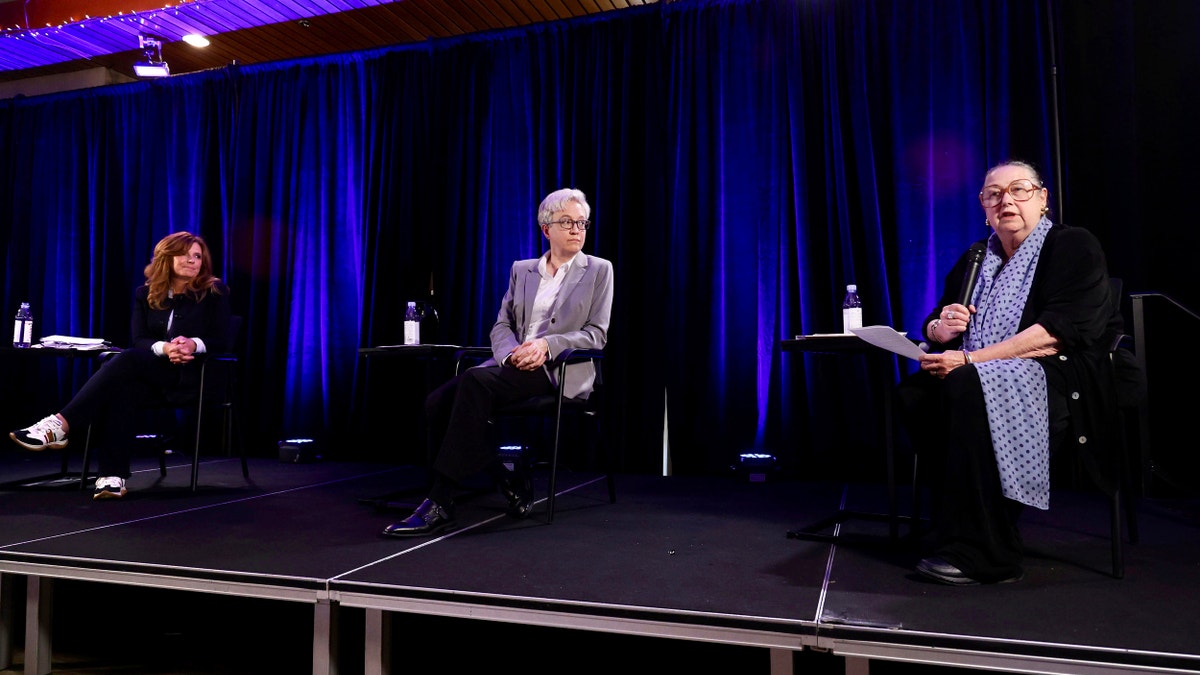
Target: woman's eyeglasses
point(567, 223)
point(1022, 190)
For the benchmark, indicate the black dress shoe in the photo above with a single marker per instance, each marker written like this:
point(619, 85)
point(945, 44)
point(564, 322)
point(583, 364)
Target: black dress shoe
point(517, 488)
point(428, 518)
point(941, 571)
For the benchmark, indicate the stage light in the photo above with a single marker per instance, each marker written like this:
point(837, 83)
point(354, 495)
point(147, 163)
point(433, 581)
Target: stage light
point(195, 40)
point(153, 66)
point(756, 466)
point(299, 450)
point(151, 69)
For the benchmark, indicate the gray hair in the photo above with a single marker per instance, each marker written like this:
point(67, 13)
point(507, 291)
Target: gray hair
point(1037, 179)
point(558, 200)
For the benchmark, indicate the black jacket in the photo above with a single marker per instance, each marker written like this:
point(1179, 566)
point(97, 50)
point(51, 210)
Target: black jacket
point(1071, 297)
point(207, 319)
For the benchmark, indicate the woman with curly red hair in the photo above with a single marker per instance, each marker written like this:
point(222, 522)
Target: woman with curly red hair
point(179, 313)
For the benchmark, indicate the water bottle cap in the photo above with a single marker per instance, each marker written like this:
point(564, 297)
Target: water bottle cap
point(412, 303)
point(853, 288)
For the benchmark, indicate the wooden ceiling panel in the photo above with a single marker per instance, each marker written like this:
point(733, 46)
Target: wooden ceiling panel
point(252, 31)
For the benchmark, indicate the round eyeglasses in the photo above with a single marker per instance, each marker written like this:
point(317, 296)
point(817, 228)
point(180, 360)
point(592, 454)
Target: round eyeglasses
point(1022, 190)
point(567, 223)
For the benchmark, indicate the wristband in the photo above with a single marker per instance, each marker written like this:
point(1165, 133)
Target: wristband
point(967, 357)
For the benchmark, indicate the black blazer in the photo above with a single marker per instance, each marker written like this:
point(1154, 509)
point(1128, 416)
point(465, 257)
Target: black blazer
point(1071, 298)
point(207, 319)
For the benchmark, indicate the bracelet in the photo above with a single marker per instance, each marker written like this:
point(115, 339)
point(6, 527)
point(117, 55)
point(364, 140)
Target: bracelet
point(933, 330)
point(967, 357)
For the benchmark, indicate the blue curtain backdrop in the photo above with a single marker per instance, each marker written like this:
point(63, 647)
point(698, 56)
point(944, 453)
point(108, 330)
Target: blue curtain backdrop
point(744, 160)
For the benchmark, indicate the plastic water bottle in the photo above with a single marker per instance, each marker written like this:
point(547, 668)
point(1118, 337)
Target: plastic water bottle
point(851, 309)
point(23, 327)
point(412, 325)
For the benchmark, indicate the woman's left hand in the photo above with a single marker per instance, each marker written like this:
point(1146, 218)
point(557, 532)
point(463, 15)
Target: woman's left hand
point(180, 349)
point(940, 365)
point(530, 355)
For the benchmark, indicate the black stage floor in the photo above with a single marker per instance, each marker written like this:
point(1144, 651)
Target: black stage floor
point(288, 573)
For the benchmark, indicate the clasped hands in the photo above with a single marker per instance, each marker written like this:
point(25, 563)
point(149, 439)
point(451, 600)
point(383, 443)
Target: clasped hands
point(180, 349)
point(530, 355)
point(951, 323)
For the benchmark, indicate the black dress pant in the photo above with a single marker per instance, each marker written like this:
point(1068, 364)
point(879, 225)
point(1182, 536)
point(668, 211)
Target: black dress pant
point(125, 383)
point(457, 415)
point(975, 525)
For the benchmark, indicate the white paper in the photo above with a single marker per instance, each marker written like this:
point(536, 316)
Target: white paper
point(886, 337)
point(68, 342)
point(423, 344)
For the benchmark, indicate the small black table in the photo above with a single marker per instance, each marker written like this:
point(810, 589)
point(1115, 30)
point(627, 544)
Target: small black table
point(880, 362)
point(432, 355)
point(435, 358)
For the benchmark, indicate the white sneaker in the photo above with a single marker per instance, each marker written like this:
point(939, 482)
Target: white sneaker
point(109, 487)
point(47, 433)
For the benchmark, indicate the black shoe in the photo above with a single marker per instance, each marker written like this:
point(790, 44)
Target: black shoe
point(428, 518)
point(941, 571)
point(517, 488)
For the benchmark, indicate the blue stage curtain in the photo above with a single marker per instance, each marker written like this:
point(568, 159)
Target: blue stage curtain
point(744, 161)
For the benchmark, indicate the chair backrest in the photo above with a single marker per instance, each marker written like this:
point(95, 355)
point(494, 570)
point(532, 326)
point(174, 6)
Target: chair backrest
point(1131, 380)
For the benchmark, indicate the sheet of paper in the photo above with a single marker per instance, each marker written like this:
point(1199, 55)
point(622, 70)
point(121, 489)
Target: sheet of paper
point(68, 340)
point(423, 344)
point(886, 337)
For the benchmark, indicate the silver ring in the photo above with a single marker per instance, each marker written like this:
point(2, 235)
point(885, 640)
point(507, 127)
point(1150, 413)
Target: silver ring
point(950, 315)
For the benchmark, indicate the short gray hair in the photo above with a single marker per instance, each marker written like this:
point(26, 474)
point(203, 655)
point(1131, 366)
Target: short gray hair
point(558, 200)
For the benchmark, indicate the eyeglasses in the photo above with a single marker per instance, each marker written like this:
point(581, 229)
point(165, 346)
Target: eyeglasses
point(567, 223)
point(1021, 190)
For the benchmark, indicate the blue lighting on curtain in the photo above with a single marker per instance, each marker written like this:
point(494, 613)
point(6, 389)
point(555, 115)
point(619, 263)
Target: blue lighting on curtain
point(744, 161)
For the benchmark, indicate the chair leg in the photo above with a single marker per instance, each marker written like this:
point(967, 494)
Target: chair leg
point(1122, 482)
point(1131, 517)
point(87, 459)
point(554, 461)
point(230, 441)
point(1118, 552)
point(196, 448)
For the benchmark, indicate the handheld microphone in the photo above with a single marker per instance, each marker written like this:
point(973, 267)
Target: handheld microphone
point(974, 259)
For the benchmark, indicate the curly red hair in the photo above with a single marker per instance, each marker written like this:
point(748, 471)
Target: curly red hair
point(160, 273)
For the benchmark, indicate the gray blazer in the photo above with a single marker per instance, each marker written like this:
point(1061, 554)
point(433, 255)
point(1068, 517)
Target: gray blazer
point(579, 317)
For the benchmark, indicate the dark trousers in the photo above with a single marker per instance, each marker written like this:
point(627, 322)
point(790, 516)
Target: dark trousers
point(457, 415)
point(975, 525)
point(124, 384)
